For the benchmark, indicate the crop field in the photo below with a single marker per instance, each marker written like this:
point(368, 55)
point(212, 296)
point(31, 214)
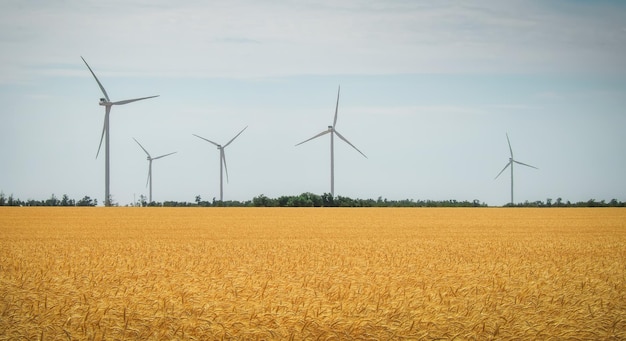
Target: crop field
point(312, 273)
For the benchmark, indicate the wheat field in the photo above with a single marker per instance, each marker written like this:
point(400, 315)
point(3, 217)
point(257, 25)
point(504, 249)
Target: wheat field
point(312, 273)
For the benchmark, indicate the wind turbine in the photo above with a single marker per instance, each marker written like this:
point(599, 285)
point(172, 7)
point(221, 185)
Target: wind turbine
point(331, 129)
point(107, 104)
point(510, 163)
point(222, 160)
point(150, 159)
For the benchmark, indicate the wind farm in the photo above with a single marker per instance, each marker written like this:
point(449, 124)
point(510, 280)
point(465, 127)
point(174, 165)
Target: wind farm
point(107, 104)
point(223, 166)
point(150, 159)
point(367, 179)
point(333, 131)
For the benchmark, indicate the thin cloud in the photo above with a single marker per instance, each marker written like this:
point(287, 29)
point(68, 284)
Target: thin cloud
point(250, 39)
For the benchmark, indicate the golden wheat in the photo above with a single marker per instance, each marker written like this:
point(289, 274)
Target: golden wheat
point(262, 273)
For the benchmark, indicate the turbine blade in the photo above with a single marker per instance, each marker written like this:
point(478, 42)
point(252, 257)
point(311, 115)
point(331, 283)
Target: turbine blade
point(348, 142)
point(94, 76)
point(509, 142)
point(104, 126)
point(505, 167)
point(101, 138)
point(318, 135)
point(149, 173)
point(523, 164)
point(144, 149)
point(336, 107)
point(132, 100)
point(206, 140)
point(225, 167)
point(158, 157)
point(233, 139)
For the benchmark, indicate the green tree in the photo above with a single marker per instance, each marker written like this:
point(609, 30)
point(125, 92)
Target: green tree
point(86, 201)
point(53, 201)
point(327, 200)
point(283, 201)
point(66, 201)
point(261, 201)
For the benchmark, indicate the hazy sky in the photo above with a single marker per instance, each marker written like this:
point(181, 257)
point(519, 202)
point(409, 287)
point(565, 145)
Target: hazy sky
point(428, 92)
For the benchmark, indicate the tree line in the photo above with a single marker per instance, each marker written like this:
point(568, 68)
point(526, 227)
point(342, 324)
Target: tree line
point(306, 199)
point(52, 201)
point(560, 203)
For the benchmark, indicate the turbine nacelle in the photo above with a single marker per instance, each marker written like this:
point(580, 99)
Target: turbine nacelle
point(103, 101)
point(330, 128)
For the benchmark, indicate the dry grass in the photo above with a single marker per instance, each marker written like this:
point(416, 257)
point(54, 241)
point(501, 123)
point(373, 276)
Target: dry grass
point(246, 273)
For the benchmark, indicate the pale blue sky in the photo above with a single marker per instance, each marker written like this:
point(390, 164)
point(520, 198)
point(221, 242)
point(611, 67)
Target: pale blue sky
point(428, 92)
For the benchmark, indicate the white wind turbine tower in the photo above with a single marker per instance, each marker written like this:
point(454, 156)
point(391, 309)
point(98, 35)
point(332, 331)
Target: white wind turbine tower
point(332, 131)
point(107, 104)
point(510, 163)
point(150, 159)
point(222, 160)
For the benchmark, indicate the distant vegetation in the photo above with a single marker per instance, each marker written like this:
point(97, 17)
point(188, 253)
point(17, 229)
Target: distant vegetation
point(52, 201)
point(560, 203)
point(304, 200)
